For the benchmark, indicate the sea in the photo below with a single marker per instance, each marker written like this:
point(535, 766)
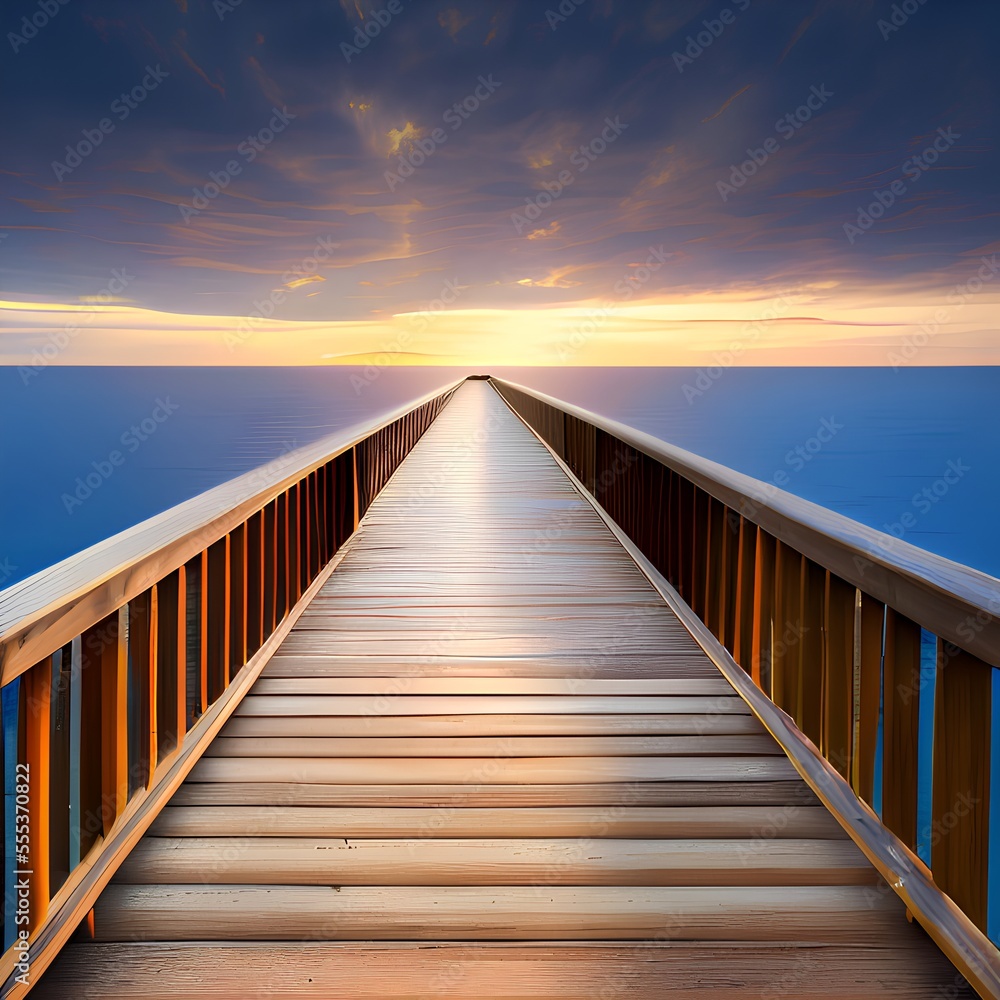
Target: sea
point(914, 452)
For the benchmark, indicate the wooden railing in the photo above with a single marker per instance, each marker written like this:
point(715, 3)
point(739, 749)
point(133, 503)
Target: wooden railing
point(885, 656)
point(121, 664)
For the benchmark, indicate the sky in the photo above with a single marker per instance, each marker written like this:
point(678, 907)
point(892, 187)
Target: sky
point(585, 182)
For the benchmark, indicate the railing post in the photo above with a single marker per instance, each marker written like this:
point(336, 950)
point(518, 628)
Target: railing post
point(963, 751)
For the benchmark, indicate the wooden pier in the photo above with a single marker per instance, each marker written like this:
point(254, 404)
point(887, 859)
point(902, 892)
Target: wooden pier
point(487, 755)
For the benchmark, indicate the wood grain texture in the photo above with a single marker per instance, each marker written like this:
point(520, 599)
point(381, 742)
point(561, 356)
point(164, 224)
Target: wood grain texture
point(654, 970)
point(818, 914)
point(359, 823)
point(490, 861)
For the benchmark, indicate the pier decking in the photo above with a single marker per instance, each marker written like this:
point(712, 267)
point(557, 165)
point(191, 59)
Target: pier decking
point(490, 761)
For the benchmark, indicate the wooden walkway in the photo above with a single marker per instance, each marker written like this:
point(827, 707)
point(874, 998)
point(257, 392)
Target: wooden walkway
point(490, 762)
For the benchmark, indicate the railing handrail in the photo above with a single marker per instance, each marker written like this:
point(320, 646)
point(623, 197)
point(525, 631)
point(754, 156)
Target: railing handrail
point(178, 532)
point(956, 602)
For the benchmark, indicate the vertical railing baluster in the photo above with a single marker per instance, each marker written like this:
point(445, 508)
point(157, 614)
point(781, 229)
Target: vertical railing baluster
point(869, 653)
point(169, 650)
point(764, 610)
point(269, 581)
point(839, 610)
point(238, 600)
point(10, 706)
point(37, 750)
point(75, 750)
point(900, 701)
point(962, 782)
point(810, 688)
point(993, 860)
point(59, 767)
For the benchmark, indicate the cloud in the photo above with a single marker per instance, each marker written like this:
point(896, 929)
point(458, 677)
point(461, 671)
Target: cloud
point(726, 104)
point(453, 21)
point(179, 42)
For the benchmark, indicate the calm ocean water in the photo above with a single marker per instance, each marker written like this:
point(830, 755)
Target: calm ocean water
point(870, 443)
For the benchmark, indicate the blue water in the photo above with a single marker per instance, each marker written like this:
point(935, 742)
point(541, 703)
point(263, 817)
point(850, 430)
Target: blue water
point(864, 442)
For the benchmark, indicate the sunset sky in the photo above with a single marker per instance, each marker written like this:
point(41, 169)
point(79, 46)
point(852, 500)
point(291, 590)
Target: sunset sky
point(477, 183)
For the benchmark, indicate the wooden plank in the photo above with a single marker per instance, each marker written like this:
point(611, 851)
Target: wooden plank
point(489, 770)
point(788, 791)
point(492, 725)
point(698, 970)
point(360, 705)
point(688, 667)
point(808, 822)
point(458, 913)
point(412, 683)
point(286, 861)
point(758, 744)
